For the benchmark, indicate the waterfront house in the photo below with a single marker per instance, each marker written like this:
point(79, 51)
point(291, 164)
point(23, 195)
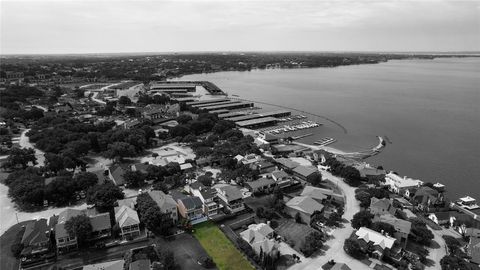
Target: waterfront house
point(304, 206)
point(128, 221)
point(399, 184)
point(440, 218)
point(426, 197)
point(371, 241)
point(191, 209)
point(165, 202)
point(231, 197)
point(260, 238)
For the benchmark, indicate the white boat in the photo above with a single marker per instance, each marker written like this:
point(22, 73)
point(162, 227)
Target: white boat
point(468, 202)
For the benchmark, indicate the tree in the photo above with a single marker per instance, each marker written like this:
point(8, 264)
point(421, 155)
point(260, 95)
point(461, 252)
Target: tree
point(134, 179)
point(152, 217)
point(85, 180)
point(20, 157)
point(298, 218)
point(184, 119)
point(120, 150)
point(352, 248)
point(420, 232)
point(362, 219)
point(79, 226)
point(104, 196)
point(124, 100)
point(383, 227)
point(54, 162)
point(452, 262)
point(168, 259)
point(364, 198)
point(312, 243)
point(206, 180)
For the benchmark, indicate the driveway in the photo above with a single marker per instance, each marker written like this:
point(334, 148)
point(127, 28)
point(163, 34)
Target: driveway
point(24, 142)
point(436, 254)
point(335, 245)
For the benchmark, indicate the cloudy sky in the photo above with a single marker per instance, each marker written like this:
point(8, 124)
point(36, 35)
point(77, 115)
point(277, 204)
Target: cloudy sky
point(164, 26)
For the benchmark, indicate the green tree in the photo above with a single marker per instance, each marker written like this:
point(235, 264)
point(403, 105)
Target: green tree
point(20, 157)
point(383, 227)
point(312, 243)
point(81, 227)
point(362, 219)
point(352, 248)
point(120, 150)
point(85, 180)
point(104, 196)
point(134, 179)
point(54, 162)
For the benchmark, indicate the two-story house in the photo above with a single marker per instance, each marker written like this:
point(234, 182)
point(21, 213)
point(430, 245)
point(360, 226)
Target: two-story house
point(399, 184)
point(166, 203)
point(208, 196)
point(191, 209)
point(231, 198)
point(128, 221)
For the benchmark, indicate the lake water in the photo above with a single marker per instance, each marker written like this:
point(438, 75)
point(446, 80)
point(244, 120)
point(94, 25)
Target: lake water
point(429, 109)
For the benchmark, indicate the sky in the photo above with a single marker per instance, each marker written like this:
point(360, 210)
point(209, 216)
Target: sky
point(110, 26)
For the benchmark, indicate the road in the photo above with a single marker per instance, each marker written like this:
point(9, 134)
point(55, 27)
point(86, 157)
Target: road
point(24, 142)
point(335, 245)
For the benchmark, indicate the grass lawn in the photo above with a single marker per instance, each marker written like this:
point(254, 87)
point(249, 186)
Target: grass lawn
point(219, 247)
point(15, 233)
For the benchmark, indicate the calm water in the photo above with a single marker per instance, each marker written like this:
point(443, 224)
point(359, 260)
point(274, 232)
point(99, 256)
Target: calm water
point(429, 109)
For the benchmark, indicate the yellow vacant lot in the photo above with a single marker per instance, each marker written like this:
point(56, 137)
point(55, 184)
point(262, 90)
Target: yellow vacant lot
point(222, 251)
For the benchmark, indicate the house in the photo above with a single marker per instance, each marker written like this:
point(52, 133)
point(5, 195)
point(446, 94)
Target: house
point(280, 175)
point(142, 264)
point(141, 167)
point(366, 170)
point(304, 206)
point(322, 194)
point(402, 227)
point(426, 197)
point(128, 221)
point(36, 239)
point(320, 155)
point(306, 173)
point(116, 172)
point(263, 166)
point(473, 250)
point(110, 265)
point(130, 202)
point(64, 240)
point(165, 202)
point(379, 243)
point(261, 185)
point(440, 218)
point(399, 184)
point(340, 266)
point(191, 209)
point(260, 238)
point(381, 206)
point(286, 163)
point(231, 197)
point(101, 228)
point(207, 195)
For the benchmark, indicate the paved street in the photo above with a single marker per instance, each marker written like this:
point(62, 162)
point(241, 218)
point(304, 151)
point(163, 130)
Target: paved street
point(335, 245)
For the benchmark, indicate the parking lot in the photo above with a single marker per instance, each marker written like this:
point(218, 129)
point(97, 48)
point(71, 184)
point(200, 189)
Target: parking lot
point(186, 249)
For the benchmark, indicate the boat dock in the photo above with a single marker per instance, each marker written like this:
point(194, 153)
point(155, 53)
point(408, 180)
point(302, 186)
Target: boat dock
point(325, 141)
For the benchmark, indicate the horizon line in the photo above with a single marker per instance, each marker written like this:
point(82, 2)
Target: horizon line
point(239, 51)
